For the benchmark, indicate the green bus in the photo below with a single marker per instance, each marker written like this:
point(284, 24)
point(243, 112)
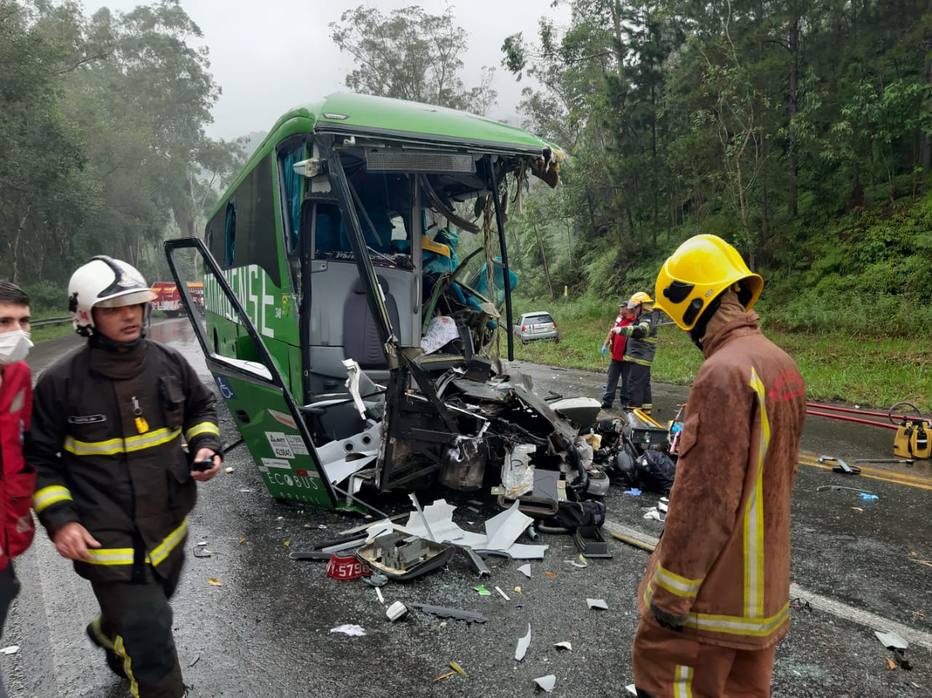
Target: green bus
point(339, 297)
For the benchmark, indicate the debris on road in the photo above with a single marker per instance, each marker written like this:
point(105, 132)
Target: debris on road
point(396, 610)
point(344, 568)
point(230, 471)
point(482, 590)
point(455, 666)
point(502, 593)
point(351, 630)
point(201, 551)
point(565, 645)
point(654, 514)
point(591, 543)
point(523, 644)
point(631, 689)
point(436, 521)
point(868, 497)
point(11, 649)
point(376, 580)
point(824, 488)
point(597, 604)
point(841, 466)
point(444, 676)
point(546, 683)
point(582, 564)
point(214, 582)
point(454, 613)
point(632, 492)
point(891, 640)
point(525, 570)
point(402, 557)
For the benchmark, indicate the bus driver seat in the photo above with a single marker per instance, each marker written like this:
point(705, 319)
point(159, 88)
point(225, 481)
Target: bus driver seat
point(360, 332)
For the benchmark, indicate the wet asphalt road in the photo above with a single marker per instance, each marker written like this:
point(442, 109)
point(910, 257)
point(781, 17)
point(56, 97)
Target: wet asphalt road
point(265, 631)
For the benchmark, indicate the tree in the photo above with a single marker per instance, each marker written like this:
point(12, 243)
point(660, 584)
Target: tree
point(410, 54)
point(102, 137)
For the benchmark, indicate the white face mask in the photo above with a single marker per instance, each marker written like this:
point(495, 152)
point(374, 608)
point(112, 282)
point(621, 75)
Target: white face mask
point(14, 346)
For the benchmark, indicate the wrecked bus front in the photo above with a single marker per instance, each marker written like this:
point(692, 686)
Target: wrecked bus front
point(345, 248)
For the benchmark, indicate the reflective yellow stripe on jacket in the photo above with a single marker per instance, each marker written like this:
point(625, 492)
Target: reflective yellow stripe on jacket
point(124, 556)
point(676, 584)
point(730, 625)
point(754, 515)
point(112, 447)
point(201, 428)
point(50, 495)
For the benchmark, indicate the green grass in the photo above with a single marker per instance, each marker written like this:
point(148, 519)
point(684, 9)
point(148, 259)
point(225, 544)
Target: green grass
point(864, 370)
point(41, 334)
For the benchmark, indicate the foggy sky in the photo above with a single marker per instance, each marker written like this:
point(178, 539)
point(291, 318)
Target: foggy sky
point(270, 55)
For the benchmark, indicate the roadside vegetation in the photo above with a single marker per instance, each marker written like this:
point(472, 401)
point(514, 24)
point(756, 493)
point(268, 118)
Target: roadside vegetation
point(836, 365)
point(857, 318)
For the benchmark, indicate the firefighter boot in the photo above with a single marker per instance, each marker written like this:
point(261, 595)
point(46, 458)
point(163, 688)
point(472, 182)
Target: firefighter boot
point(97, 635)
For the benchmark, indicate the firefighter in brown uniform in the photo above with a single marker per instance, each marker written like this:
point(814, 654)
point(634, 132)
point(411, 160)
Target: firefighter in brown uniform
point(714, 601)
point(114, 483)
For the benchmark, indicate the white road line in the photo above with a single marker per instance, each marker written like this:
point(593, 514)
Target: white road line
point(817, 601)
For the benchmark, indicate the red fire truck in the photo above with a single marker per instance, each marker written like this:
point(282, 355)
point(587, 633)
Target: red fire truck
point(168, 299)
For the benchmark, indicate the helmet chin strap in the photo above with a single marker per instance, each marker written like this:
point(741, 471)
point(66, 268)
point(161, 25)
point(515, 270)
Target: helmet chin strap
point(698, 331)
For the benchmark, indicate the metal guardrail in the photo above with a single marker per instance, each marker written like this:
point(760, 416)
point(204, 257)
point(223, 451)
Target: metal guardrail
point(50, 321)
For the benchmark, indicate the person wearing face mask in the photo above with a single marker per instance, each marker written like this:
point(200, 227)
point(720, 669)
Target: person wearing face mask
point(115, 482)
point(715, 599)
point(18, 480)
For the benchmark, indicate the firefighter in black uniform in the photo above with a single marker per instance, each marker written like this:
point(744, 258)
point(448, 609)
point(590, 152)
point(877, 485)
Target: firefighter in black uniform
point(115, 484)
point(640, 349)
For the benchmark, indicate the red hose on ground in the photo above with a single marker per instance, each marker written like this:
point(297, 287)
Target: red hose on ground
point(849, 410)
point(845, 418)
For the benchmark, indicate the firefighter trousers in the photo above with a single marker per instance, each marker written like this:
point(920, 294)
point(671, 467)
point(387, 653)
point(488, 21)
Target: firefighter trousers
point(9, 588)
point(669, 664)
point(639, 386)
point(137, 618)
point(616, 370)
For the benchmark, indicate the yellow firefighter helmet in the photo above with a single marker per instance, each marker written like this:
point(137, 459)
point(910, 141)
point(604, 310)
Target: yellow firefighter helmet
point(699, 270)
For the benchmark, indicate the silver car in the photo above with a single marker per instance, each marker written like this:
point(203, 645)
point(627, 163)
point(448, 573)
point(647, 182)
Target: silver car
point(537, 325)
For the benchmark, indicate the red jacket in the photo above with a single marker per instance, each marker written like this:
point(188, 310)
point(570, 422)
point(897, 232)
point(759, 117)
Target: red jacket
point(619, 340)
point(18, 480)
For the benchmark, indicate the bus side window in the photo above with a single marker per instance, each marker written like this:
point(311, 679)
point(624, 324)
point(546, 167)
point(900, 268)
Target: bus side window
point(329, 236)
point(292, 185)
point(229, 236)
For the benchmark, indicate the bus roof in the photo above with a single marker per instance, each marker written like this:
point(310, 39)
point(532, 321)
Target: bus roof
point(356, 114)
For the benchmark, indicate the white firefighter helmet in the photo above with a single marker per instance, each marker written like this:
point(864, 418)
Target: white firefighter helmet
point(107, 283)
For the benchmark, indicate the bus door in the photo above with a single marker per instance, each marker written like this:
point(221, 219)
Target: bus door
point(251, 384)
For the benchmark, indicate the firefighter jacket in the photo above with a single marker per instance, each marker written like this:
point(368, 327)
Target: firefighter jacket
point(17, 480)
point(722, 567)
point(642, 338)
point(106, 441)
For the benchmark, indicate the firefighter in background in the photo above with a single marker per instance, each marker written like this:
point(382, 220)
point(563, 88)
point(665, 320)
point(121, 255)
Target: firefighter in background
point(640, 349)
point(17, 480)
point(714, 601)
point(617, 368)
point(114, 483)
